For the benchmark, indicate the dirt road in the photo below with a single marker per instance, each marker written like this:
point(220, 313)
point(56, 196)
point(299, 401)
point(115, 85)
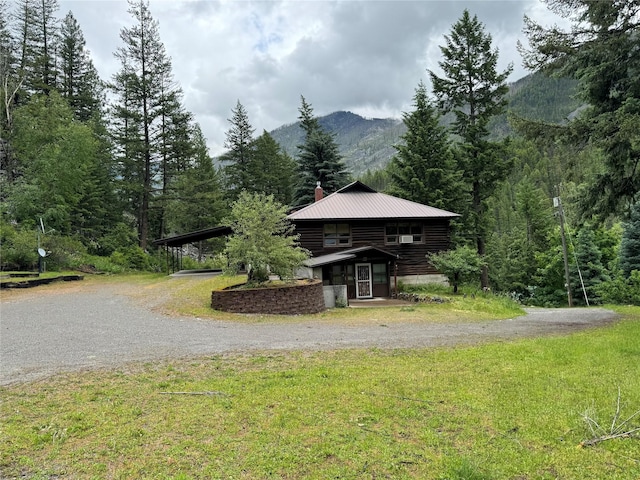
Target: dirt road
point(92, 328)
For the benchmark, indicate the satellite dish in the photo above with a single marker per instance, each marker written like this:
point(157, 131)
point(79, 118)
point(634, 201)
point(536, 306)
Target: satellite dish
point(42, 252)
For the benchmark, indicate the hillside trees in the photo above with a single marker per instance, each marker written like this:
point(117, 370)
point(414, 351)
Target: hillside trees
point(601, 52)
point(318, 159)
point(424, 169)
point(474, 91)
point(61, 180)
point(196, 200)
point(256, 165)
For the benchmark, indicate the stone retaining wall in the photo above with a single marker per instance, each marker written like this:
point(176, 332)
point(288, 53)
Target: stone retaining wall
point(302, 298)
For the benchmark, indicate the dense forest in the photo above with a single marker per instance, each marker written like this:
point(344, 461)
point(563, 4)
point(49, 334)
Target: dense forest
point(93, 170)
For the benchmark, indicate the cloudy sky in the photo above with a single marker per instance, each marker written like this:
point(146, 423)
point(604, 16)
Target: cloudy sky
point(362, 56)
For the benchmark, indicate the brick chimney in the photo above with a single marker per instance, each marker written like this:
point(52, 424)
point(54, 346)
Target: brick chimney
point(318, 191)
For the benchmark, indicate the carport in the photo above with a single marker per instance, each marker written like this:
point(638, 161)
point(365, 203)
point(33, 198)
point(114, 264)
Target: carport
point(173, 245)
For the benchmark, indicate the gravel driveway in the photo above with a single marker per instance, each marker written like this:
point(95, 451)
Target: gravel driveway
point(94, 328)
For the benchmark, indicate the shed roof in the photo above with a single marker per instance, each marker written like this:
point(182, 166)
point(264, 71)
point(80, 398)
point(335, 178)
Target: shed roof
point(357, 201)
point(179, 240)
point(343, 255)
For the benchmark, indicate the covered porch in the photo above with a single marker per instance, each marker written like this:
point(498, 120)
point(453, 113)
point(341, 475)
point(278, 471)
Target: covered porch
point(368, 272)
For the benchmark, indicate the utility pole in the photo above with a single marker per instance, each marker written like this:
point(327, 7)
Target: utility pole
point(558, 204)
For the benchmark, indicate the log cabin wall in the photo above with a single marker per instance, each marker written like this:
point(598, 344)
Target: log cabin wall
point(412, 260)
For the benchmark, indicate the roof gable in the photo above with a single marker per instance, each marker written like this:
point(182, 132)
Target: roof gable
point(357, 201)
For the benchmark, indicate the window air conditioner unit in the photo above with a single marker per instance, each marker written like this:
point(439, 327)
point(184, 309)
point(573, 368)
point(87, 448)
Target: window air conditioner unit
point(406, 238)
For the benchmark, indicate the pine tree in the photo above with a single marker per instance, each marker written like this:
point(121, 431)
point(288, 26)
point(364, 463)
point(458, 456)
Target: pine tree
point(139, 85)
point(308, 122)
point(630, 245)
point(588, 272)
point(274, 169)
point(238, 160)
point(37, 36)
point(80, 83)
point(196, 201)
point(318, 159)
point(474, 91)
point(424, 170)
point(9, 86)
point(600, 50)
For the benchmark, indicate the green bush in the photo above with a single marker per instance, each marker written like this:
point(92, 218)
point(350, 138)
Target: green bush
point(120, 237)
point(18, 248)
point(62, 251)
point(621, 291)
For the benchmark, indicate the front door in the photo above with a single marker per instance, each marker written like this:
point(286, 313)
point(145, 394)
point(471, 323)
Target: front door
point(363, 280)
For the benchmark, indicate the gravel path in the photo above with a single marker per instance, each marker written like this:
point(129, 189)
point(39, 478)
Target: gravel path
point(94, 328)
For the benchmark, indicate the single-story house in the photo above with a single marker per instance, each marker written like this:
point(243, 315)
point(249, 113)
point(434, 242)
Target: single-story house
point(369, 241)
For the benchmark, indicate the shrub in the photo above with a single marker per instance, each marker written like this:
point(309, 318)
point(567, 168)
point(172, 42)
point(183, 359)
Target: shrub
point(622, 291)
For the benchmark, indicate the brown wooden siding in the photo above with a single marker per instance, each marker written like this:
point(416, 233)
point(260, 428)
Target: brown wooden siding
point(412, 260)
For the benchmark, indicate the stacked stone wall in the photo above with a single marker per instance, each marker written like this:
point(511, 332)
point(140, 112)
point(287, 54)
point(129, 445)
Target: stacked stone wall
point(304, 297)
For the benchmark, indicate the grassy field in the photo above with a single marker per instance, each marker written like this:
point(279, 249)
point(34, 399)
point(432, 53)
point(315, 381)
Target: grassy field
point(505, 410)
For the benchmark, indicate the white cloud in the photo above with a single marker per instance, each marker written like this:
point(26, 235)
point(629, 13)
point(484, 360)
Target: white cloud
point(363, 56)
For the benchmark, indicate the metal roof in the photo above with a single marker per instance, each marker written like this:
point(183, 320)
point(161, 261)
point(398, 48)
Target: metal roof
point(343, 255)
point(357, 201)
point(179, 240)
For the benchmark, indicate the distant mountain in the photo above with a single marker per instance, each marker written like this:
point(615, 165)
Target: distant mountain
point(367, 143)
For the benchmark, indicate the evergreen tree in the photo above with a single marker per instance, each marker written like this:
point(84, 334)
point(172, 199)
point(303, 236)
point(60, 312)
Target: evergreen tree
point(274, 169)
point(474, 91)
point(318, 160)
point(587, 273)
point(238, 160)
point(9, 86)
point(600, 50)
point(424, 170)
point(630, 245)
point(37, 31)
point(140, 86)
point(196, 200)
point(80, 83)
point(308, 122)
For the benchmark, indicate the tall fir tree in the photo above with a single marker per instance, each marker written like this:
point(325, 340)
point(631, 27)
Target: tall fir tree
point(37, 34)
point(319, 159)
point(197, 199)
point(9, 86)
point(238, 159)
point(424, 170)
point(275, 170)
point(80, 83)
point(139, 85)
point(600, 50)
point(474, 91)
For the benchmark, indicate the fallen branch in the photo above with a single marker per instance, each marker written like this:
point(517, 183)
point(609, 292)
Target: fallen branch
point(616, 430)
point(595, 441)
point(221, 394)
point(398, 397)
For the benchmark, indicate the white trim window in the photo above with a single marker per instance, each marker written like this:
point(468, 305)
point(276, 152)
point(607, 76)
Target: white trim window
point(337, 235)
point(395, 233)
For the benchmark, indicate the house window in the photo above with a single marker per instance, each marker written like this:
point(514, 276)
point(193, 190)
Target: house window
point(379, 273)
point(337, 235)
point(395, 233)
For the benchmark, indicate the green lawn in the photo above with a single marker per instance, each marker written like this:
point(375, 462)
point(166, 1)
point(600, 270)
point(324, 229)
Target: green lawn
point(506, 410)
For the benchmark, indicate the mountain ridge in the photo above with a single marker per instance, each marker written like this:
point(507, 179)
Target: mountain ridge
point(368, 143)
